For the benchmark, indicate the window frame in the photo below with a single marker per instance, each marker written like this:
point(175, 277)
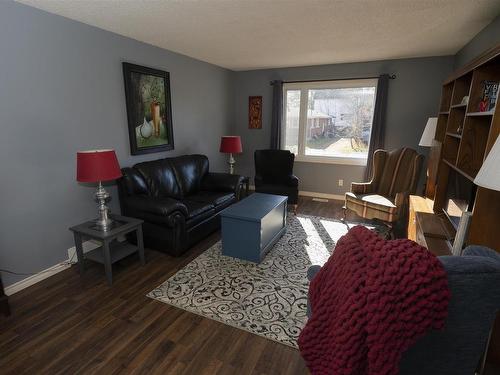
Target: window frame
point(304, 88)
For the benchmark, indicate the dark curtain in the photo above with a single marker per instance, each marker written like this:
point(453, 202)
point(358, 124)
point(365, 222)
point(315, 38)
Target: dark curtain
point(378, 125)
point(276, 115)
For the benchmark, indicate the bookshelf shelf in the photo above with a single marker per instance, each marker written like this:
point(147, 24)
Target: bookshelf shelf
point(454, 135)
point(477, 114)
point(455, 168)
point(459, 106)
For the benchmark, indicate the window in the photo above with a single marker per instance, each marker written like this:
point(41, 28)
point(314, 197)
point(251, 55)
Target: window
point(329, 121)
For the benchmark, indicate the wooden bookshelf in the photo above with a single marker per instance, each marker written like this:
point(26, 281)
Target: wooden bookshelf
point(441, 127)
point(466, 136)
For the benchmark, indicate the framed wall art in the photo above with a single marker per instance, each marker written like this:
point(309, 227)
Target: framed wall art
point(149, 109)
point(255, 112)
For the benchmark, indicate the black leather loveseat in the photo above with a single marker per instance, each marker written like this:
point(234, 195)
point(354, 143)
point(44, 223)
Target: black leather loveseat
point(178, 198)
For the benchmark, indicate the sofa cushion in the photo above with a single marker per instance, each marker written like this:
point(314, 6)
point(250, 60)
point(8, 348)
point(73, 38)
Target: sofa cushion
point(154, 210)
point(213, 197)
point(223, 182)
point(198, 211)
point(160, 178)
point(190, 170)
point(134, 182)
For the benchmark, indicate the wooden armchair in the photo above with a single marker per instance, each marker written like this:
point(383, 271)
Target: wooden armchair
point(385, 197)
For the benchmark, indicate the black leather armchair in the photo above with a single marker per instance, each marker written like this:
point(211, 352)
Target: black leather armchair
point(178, 199)
point(274, 174)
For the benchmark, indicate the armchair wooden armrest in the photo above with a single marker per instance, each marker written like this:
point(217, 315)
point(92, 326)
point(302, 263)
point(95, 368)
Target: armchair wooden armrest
point(401, 199)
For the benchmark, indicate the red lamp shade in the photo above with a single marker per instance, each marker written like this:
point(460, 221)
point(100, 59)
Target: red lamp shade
point(231, 144)
point(97, 165)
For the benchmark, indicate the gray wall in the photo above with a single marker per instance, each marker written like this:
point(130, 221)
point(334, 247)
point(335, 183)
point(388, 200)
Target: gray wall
point(487, 38)
point(61, 90)
point(413, 97)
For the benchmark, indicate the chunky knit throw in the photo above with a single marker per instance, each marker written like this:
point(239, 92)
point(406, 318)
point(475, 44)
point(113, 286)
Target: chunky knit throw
point(370, 302)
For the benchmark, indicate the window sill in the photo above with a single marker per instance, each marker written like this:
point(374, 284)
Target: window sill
point(331, 160)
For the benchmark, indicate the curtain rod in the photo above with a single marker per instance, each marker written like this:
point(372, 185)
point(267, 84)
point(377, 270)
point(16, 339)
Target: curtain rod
point(391, 76)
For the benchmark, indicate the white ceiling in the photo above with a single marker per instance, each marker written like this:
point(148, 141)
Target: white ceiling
point(254, 34)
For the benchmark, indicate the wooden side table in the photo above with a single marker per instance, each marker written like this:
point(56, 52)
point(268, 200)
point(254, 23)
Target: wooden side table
point(111, 250)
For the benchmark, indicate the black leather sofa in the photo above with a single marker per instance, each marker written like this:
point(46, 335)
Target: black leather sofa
point(178, 198)
point(274, 174)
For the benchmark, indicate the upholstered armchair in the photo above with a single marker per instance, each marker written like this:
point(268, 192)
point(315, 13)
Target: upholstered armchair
point(385, 197)
point(456, 350)
point(274, 174)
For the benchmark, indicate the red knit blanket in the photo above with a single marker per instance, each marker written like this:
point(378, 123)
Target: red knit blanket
point(370, 302)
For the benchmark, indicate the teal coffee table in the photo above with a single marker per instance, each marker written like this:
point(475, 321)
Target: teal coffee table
point(252, 226)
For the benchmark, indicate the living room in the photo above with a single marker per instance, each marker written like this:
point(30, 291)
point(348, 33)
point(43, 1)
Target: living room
point(239, 81)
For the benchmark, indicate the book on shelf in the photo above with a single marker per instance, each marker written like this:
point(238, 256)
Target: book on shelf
point(489, 97)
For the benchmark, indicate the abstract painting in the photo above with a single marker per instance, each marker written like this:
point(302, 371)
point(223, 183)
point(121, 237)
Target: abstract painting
point(255, 112)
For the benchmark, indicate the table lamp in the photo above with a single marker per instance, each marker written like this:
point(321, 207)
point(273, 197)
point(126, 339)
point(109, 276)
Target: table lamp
point(429, 132)
point(489, 174)
point(98, 166)
point(231, 144)
point(427, 140)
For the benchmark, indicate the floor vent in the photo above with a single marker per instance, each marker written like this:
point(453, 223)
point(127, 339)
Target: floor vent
point(320, 199)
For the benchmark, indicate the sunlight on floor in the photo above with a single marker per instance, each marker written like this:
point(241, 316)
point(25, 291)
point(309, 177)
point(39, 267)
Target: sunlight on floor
point(315, 247)
point(337, 229)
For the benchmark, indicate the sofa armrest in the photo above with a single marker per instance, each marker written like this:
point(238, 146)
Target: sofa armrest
point(401, 199)
point(221, 182)
point(361, 187)
point(159, 211)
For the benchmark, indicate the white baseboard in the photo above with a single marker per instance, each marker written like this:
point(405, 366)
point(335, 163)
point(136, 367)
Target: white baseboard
point(321, 195)
point(36, 278)
point(314, 194)
point(51, 271)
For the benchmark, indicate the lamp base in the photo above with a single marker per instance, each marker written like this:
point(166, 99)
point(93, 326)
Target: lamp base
point(103, 222)
point(104, 225)
point(231, 163)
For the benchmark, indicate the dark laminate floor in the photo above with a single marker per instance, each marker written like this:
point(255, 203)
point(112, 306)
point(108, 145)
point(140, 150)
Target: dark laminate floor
point(69, 324)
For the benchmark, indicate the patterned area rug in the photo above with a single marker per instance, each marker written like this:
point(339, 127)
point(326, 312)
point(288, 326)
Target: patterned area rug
point(267, 299)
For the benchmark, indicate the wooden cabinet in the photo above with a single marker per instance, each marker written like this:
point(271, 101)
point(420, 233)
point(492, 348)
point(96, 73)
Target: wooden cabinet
point(427, 228)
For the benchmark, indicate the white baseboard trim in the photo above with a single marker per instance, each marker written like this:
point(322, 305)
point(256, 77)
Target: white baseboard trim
point(321, 195)
point(36, 278)
point(51, 271)
point(313, 194)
